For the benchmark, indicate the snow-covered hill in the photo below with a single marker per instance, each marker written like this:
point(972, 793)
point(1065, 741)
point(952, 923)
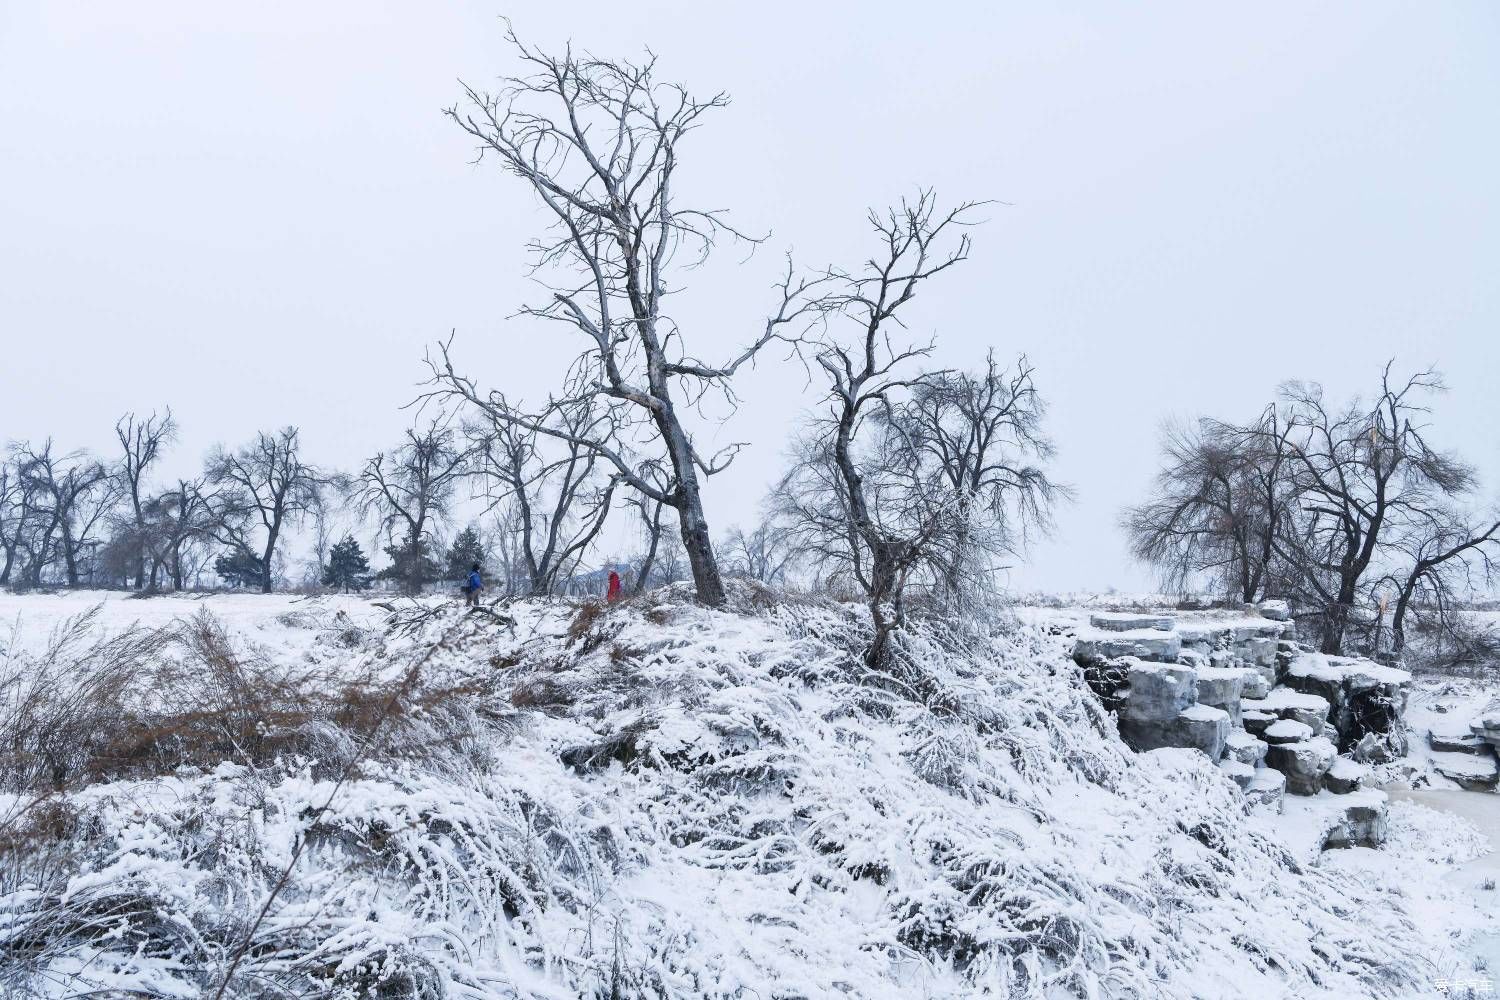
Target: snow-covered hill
point(654, 800)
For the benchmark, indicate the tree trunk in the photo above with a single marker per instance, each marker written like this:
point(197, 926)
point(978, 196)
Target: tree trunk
point(699, 548)
point(265, 569)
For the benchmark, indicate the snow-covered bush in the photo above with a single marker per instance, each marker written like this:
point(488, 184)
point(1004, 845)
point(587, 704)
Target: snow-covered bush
point(658, 800)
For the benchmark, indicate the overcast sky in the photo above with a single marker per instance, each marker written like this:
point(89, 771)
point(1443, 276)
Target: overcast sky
point(257, 214)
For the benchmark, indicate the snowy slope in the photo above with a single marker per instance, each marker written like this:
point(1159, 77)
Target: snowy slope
point(666, 801)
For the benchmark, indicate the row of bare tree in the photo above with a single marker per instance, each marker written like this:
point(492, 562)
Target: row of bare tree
point(1350, 512)
point(74, 518)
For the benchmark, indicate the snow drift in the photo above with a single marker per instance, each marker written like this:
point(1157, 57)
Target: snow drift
point(658, 800)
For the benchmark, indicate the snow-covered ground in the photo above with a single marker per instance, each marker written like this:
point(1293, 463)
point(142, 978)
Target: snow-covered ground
point(674, 802)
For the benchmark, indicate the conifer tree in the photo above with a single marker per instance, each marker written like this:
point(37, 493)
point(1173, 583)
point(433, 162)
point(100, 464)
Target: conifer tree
point(348, 569)
point(468, 548)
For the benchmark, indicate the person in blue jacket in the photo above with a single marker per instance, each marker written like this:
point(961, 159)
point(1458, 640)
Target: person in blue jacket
point(473, 586)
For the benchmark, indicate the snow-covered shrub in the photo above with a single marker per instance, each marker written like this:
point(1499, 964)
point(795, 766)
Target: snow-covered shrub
point(658, 800)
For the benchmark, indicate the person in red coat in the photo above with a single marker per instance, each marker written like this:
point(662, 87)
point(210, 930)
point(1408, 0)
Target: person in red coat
point(614, 587)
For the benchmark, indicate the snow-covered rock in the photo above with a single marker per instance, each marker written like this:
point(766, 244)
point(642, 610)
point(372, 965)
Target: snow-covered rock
point(1286, 731)
point(1130, 622)
point(1266, 790)
point(1361, 821)
point(1303, 763)
point(1243, 747)
point(1288, 703)
point(1222, 688)
point(1477, 772)
point(1240, 773)
point(1346, 776)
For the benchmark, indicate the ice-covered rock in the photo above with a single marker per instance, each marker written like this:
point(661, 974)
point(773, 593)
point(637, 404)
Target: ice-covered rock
point(1346, 776)
point(1304, 763)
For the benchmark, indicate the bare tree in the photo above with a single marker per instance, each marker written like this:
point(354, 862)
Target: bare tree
point(15, 512)
point(763, 554)
point(554, 486)
point(1446, 557)
point(982, 435)
point(177, 517)
point(1222, 497)
point(1358, 472)
point(410, 487)
point(262, 488)
point(598, 143)
point(850, 501)
point(141, 444)
point(63, 500)
point(1327, 504)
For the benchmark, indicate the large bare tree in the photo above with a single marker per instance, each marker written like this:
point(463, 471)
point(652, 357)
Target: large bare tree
point(981, 434)
point(599, 142)
point(1223, 495)
point(62, 500)
point(1328, 504)
point(852, 501)
point(1359, 472)
point(410, 487)
point(261, 489)
point(141, 442)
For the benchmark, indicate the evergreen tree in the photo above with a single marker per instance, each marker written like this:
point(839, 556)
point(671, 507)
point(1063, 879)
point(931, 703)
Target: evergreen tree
point(347, 569)
point(401, 569)
point(240, 568)
point(468, 548)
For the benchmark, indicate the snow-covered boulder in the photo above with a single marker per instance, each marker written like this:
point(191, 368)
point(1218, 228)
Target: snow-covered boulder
point(1240, 773)
point(1274, 609)
point(1243, 747)
point(1156, 692)
point(1197, 727)
point(1111, 621)
point(1456, 741)
point(1361, 822)
point(1222, 687)
point(1266, 790)
point(1146, 644)
point(1284, 731)
point(1287, 703)
point(1304, 763)
point(1346, 776)
point(1362, 696)
point(1476, 772)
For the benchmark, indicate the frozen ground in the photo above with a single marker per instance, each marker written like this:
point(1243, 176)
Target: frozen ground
point(688, 803)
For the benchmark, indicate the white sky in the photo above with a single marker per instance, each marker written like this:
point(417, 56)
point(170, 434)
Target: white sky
point(257, 214)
